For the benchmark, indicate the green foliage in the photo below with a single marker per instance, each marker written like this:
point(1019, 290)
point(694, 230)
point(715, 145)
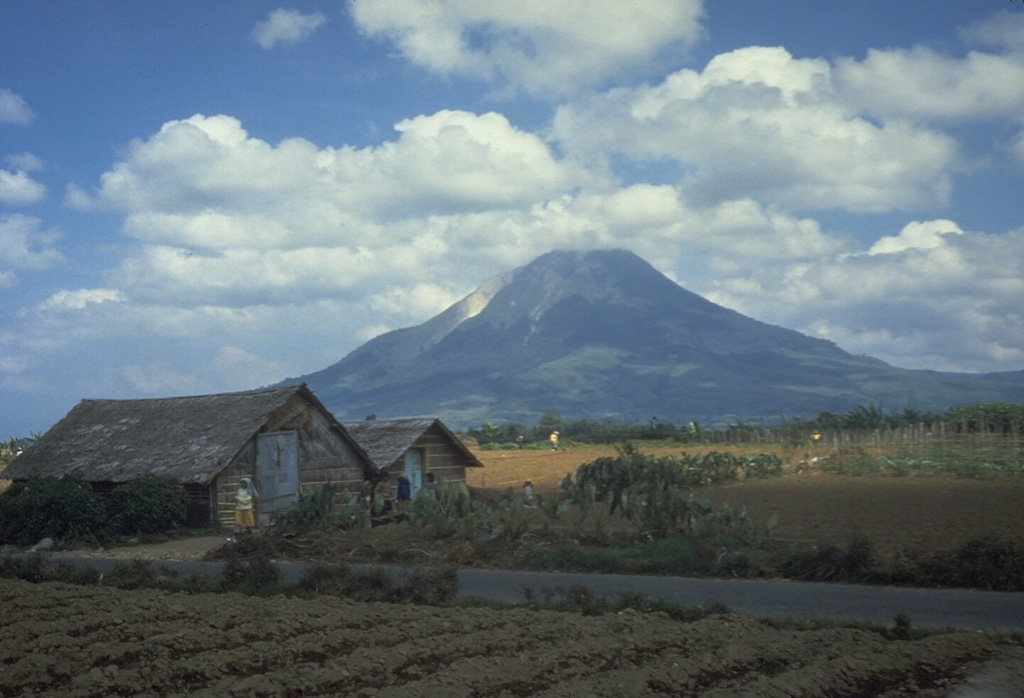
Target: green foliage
point(448, 510)
point(653, 493)
point(254, 574)
point(833, 563)
point(990, 417)
point(322, 508)
point(148, 504)
point(988, 562)
point(579, 598)
point(66, 510)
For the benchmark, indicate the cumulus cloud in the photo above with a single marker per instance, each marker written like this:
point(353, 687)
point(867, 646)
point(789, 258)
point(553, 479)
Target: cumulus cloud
point(222, 214)
point(916, 235)
point(80, 298)
point(25, 246)
point(920, 83)
point(14, 109)
point(286, 27)
point(19, 189)
point(533, 46)
point(241, 367)
point(937, 298)
point(27, 162)
point(757, 122)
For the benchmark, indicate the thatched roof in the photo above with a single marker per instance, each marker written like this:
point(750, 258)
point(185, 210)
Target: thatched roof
point(188, 438)
point(386, 441)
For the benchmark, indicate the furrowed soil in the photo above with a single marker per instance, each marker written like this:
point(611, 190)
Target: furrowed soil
point(63, 640)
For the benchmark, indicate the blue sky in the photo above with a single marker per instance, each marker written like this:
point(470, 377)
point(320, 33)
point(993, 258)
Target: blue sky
point(200, 197)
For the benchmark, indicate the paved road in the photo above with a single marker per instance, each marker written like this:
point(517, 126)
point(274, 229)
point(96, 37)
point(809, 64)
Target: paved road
point(981, 610)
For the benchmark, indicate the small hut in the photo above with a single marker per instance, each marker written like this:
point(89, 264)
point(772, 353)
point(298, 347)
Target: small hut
point(415, 446)
point(282, 438)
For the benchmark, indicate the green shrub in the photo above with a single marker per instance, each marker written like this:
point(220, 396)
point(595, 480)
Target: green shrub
point(449, 510)
point(322, 508)
point(832, 563)
point(254, 574)
point(66, 510)
point(989, 562)
point(653, 493)
point(148, 504)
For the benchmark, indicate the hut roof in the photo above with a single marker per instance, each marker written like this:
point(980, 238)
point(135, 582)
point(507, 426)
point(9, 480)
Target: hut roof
point(188, 438)
point(386, 441)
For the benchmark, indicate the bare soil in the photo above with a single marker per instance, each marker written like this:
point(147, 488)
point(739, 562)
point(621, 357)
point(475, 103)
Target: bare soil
point(95, 641)
point(98, 641)
point(926, 513)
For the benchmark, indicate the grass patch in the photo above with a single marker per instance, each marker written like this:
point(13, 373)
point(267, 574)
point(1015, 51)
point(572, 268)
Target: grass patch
point(676, 555)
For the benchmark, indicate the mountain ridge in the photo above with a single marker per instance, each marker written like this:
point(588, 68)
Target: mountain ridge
point(602, 334)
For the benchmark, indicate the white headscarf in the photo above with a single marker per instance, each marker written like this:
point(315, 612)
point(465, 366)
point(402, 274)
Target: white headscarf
point(247, 484)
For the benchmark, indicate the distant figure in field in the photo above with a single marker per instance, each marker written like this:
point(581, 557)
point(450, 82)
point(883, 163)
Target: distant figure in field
point(528, 493)
point(520, 440)
point(554, 440)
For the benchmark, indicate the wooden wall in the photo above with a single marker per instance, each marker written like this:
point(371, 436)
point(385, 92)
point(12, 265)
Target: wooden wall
point(442, 457)
point(325, 457)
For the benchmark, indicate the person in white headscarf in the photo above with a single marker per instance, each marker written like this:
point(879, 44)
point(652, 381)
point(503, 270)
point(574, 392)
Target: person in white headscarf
point(245, 499)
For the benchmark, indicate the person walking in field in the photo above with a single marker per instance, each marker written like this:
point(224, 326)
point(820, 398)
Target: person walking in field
point(554, 440)
point(245, 499)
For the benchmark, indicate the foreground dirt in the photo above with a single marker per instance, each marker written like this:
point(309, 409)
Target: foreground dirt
point(94, 641)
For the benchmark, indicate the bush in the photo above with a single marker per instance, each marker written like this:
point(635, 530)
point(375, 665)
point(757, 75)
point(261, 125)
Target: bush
point(987, 562)
point(449, 510)
point(66, 510)
point(149, 504)
point(831, 563)
point(323, 508)
point(652, 493)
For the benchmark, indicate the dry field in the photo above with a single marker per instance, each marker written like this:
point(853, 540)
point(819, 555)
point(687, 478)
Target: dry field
point(61, 640)
point(927, 513)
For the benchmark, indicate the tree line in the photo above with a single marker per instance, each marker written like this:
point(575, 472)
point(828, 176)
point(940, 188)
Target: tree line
point(987, 418)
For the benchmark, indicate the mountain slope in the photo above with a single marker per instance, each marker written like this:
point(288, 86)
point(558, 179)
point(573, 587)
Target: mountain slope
point(603, 334)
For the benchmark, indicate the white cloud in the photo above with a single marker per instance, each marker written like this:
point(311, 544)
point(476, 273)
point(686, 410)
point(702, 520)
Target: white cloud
point(916, 235)
point(938, 298)
point(240, 367)
point(1003, 29)
point(923, 84)
point(26, 162)
point(159, 378)
point(14, 109)
point(533, 46)
point(18, 188)
point(24, 246)
point(759, 123)
point(286, 27)
point(80, 298)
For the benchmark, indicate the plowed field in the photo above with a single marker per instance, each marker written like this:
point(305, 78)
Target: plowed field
point(918, 512)
point(61, 640)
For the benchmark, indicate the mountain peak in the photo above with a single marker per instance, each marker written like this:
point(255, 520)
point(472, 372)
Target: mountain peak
point(602, 333)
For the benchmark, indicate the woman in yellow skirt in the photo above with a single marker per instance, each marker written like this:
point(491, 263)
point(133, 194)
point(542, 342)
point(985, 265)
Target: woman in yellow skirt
point(245, 498)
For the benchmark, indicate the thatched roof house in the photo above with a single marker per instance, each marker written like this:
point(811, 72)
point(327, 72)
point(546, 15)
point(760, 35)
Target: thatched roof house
point(283, 438)
point(415, 446)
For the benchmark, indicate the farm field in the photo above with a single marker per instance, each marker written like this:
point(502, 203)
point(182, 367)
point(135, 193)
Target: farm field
point(98, 641)
point(67, 640)
point(921, 512)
